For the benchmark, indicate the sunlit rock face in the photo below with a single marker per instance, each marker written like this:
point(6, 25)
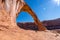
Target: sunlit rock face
point(9, 29)
point(8, 11)
point(28, 35)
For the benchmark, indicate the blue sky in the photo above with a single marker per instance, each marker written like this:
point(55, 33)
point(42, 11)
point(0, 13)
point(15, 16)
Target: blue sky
point(44, 9)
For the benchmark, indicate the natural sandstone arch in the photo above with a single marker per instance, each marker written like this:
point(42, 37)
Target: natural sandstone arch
point(26, 8)
point(9, 9)
point(10, 31)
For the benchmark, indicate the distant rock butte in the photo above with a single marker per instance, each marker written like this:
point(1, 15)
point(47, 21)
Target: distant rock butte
point(50, 24)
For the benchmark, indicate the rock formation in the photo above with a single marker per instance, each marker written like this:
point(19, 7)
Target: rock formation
point(49, 24)
point(9, 29)
point(54, 22)
point(26, 8)
point(9, 9)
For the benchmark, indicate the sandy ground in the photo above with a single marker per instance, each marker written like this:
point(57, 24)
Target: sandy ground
point(28, 35)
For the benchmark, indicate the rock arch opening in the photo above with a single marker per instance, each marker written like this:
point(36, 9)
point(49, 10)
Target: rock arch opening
point(24, 17)
point(9, 10)
point(25, 21)
point(26, 8)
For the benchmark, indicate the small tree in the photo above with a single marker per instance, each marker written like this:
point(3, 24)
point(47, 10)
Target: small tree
point(9, 9)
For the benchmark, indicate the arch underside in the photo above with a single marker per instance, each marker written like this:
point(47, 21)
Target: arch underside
point(26, 8)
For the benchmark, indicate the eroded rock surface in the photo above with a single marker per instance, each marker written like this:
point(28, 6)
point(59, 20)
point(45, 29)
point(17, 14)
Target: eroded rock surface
point(9, 29)
point(8, 34)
